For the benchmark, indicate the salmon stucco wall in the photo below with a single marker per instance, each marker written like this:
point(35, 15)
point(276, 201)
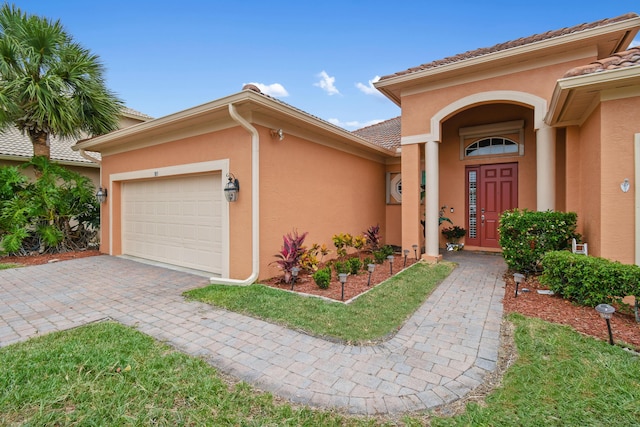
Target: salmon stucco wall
point(233, 144)
point(619, 125)
point(304, 186)
point(589, 185)
point(309, 187)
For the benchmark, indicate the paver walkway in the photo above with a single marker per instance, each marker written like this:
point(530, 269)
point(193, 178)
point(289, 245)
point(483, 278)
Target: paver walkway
point(442, 353)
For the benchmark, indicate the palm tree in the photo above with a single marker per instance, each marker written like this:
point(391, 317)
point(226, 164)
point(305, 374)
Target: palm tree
point(49, 84)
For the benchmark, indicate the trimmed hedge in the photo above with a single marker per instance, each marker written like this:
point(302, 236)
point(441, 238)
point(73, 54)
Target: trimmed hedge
point(525, 236)
point(589, 280)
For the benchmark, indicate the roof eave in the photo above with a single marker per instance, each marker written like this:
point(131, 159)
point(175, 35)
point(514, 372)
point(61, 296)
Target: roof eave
point(202, 113)
point(589, 86)
point(392, 86)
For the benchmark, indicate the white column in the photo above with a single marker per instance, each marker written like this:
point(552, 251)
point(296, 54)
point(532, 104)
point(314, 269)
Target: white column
point(432, 206)
point(546, 168)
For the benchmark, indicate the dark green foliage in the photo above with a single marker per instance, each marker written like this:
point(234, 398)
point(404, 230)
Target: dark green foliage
point(341, 267)
point(56, 212)
point(525, 236)
point(322, 278)
point(381, 255)
point(291, 252)
point(355, 265)
point(589, 280)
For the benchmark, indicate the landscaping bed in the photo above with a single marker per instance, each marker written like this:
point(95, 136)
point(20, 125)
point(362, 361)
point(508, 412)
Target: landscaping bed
point(46, 258)
point(355, 285)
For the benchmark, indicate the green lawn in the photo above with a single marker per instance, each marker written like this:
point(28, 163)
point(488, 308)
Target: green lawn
point(373, 316)
point(108, 374)
point(7, 265)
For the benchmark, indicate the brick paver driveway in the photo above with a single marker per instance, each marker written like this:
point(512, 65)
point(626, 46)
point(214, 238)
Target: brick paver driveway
point(442, 353)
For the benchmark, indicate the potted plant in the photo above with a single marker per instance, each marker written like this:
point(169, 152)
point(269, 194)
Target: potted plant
point(453, 235)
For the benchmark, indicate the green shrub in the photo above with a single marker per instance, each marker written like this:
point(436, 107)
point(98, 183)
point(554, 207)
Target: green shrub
point(355, 265)
point(341, 267)
point(56, 212)
point(589, 280)
point(366, 262)
point(381, 255)
point(322, 278)
point(525, 236)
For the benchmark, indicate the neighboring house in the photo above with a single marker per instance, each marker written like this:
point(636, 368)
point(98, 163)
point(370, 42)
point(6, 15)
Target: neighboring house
point(543, 122)
point(16, 148)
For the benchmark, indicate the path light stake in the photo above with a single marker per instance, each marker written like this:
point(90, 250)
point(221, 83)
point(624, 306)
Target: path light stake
point(518, 277)
point(343, 280)
point(390, 258)
point(294, 273)
point(406, 254)
point(415, 251)
point(606, 311)
point(370, 268)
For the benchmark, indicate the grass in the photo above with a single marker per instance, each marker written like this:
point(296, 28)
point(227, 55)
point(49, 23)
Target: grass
point(561, 378)
point(8, 265)
point(371, 317)
point(107, 374)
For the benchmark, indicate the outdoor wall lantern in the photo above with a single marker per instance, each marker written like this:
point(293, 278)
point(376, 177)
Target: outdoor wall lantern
point(518, 278)
point(101, 195)
point(232, 188)
point(390, 259)
point(415, 251)
point(406, 254)
point(606, 311)
point(277, 133)
point(370, 268)
point(343, 279)
point(625, 185)
point(294, 274)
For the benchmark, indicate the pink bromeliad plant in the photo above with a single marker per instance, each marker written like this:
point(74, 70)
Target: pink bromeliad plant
point(290, 253)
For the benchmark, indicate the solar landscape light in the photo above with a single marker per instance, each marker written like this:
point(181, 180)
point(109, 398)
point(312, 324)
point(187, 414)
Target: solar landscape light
point(370, 268)
point(519, 278)
point(606, 312)
point(406, 254)
point(343, 279)
point(294, 273)
point(390, 259)
point(415, 251)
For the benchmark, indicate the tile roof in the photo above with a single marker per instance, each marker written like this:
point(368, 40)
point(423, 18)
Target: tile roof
point(628, 58)
point(15, 144)
point(385, 134)
point(131, 112)
point(511, 44)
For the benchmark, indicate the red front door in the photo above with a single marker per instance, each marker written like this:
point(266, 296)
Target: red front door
point(491, 190)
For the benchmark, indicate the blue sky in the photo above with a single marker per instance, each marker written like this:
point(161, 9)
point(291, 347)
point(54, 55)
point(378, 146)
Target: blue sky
point(164, 57)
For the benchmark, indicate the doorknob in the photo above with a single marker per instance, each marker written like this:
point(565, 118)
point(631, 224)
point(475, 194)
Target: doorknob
point(482, 218)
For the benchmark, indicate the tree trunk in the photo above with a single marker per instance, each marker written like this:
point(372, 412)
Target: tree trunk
point(40, 141)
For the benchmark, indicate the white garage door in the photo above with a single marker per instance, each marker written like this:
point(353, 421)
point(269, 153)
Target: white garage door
point(175, 220)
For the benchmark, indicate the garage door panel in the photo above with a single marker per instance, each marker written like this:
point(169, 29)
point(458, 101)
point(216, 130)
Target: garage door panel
point(176, 220)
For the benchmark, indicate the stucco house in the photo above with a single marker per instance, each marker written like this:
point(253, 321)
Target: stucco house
point(543, 122)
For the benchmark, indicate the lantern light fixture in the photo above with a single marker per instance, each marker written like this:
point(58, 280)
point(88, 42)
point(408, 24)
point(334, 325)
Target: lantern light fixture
point(294, 274)
point(390, 259)
point(232, 188)
point(101, 195)
point(370, 268)
point(606, 312)
point(518, 278)
point(343, 279)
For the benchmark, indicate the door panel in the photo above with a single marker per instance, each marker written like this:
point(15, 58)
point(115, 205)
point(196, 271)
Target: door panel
point(491, 189)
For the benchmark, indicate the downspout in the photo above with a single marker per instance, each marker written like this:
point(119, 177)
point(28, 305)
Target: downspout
point(255, 203)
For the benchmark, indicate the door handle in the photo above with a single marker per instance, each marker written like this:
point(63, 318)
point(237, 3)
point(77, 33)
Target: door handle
point(482, 218)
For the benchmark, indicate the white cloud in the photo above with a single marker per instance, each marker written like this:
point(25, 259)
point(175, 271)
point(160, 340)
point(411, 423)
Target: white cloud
point(369, 89)
point(326, 83)
point(635, 43)
point(275, 89)
point(353, 125)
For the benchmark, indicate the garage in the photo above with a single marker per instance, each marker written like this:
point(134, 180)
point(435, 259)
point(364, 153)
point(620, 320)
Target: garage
point(175, 220)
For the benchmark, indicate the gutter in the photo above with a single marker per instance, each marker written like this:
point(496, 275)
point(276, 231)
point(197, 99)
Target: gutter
point(255, 203)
